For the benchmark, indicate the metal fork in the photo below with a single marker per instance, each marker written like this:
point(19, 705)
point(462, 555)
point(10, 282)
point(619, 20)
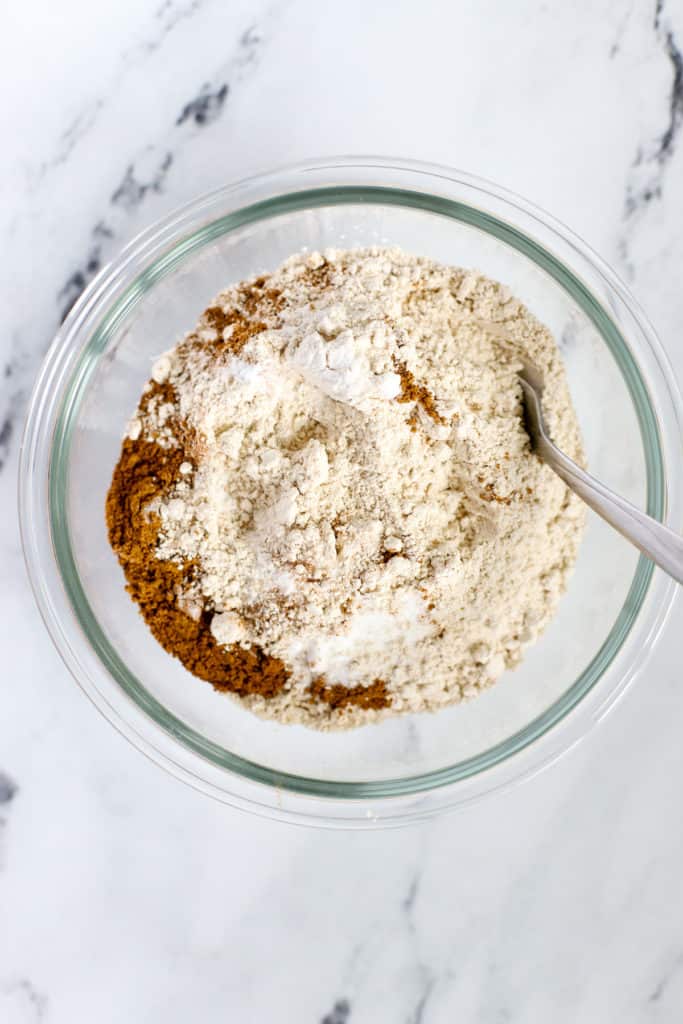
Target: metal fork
point(655, 540)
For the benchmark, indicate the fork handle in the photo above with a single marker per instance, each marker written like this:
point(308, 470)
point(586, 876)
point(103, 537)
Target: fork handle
point(654, 539)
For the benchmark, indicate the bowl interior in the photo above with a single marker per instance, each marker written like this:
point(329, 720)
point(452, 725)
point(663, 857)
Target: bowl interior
point(164, 302)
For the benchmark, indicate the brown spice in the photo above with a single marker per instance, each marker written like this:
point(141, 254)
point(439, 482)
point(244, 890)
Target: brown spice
point(373, 697)
point(243, 329)
point(144, 471)
point(411, 391)
point(318, 278)
point(163, 394)
point(259, 300)
point(489, 494)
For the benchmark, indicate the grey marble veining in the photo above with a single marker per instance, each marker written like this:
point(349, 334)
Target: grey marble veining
point(648, 168)
point(147, 173)
point(125, 896)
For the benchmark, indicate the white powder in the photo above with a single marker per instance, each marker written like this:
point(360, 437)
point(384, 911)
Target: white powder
point(353, 534)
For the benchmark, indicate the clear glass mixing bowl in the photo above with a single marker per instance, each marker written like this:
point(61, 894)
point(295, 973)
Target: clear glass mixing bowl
point(150, 295)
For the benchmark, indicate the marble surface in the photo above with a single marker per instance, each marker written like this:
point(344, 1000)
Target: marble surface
point(125, 896)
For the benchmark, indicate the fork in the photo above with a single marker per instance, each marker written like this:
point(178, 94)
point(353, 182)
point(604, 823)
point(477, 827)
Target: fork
point(658, 542)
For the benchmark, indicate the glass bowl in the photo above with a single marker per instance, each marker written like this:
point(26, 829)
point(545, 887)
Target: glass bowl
point(403, 768)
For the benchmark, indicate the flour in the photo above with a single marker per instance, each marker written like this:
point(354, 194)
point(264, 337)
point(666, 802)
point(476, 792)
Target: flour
point(362, 502)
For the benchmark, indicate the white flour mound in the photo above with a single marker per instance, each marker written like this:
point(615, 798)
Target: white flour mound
point(365, 505)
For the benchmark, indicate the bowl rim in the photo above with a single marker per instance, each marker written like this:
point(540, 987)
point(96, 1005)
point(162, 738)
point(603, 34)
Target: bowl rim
point(44, 464)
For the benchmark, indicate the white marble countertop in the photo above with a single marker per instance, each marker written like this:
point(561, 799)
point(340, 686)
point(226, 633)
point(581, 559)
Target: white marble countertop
point(125, 896)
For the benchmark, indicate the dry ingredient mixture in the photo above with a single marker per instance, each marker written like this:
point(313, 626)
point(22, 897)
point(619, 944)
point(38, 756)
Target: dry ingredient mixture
point(326, 503)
